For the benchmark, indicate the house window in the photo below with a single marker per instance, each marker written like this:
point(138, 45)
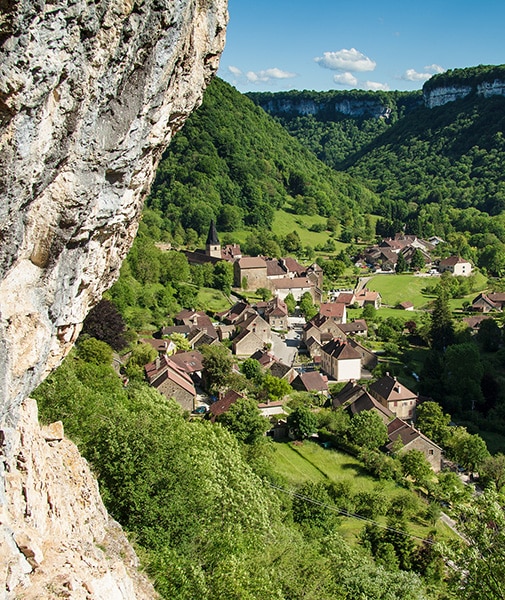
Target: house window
point(396, 403)
point(431, 452)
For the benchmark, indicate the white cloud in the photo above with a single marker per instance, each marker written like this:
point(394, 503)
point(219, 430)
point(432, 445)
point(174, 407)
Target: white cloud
point(413, 75)
point(375, 86)
point(345, 79)
point(235, 71)
point(268, 74)
point(346, 60)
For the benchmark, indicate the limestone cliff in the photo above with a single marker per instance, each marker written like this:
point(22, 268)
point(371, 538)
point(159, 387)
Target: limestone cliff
point(91, 92)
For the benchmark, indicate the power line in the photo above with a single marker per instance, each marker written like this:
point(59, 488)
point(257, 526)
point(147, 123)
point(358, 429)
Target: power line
point(348, 514)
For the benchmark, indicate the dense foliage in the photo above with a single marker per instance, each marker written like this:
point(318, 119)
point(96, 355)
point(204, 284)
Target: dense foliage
point(207, 525)
point(333, 134)
point(234, 164)
point(437, 171)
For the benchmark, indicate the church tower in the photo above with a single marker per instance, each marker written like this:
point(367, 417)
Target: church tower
point(213, 247)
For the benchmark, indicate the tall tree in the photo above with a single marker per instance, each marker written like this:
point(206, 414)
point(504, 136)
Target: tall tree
point(367, 430)
point(244, 420)
point(433, 422)
point(302, 422)
point(442, 327)
point(217, 364)
point(479, 572)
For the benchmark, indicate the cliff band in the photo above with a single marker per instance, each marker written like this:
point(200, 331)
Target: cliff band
point(91, 92)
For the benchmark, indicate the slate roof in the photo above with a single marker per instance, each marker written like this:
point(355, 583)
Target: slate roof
point(251, 262)
point(453, 260)
point(293, 282)
point(358, 326)
point(313, 381)
point(190, 362)
point(223, 404)
point(275, 268)
point(400, 429)
point(212, 239)
point(164, 368)
point(391, 390)
point(356, 399)
point(340, 350)
point(332, 309)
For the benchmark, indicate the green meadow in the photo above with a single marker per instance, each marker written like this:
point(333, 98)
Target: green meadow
point(298, 463)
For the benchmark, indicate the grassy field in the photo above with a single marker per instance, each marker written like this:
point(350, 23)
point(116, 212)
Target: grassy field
point(399, 288)
point(212, 300)
point(298, 463)
point(286, 222)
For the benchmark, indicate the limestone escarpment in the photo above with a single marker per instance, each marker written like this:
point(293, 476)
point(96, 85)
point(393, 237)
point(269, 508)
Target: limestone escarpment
point(338, 104)
point(91, 92)
point(56, 538)
point(439, 95)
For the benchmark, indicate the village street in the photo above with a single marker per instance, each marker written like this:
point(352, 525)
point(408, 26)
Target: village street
point(285, 350)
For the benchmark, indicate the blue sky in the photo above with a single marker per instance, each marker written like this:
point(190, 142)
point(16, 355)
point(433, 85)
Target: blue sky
point(275, 45)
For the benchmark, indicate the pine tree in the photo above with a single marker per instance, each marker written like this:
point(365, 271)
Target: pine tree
point(442, 327)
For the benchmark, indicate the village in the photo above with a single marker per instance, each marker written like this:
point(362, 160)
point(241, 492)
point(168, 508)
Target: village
point(324, 356)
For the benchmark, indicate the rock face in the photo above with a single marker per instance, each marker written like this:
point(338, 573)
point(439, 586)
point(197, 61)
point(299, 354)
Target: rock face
point(56, 538)
point(340, 103)
point(439, 96)
point(91, 92)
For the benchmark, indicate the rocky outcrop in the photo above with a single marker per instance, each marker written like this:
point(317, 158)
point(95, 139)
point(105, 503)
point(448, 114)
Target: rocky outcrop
point(91, 92)
point(340, 104)
point(56, 538)
point(363, 108)
point(438, 96)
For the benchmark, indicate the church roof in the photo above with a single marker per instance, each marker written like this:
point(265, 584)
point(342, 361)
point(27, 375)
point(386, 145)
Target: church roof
point(212, 239)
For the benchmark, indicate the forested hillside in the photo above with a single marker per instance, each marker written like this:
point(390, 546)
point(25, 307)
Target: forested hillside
point(335, 125)
point(437, 171)
point(408, 153)
point(234, 164)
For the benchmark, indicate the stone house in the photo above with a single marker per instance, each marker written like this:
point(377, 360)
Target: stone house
point(340, 360)
point(334, 311)
point(191, 363)
point(296, 286)
point(276, 314)
point(250, 272)
point(498, 299)
point(395, 396)
point(412, 439)
point(322, 328)
point(196, 320)
point(171, 381)
point(311, 381)
point(369, 359)
point(366, 296)
point(489, 302)
point(354, 399)
point(455, 265)
point(254, 334)
point(357, 328)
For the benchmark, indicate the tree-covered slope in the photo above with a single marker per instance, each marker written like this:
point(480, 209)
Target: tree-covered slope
point(336, 124)
point(409, 153)
point(234, 163)
point(452, 153)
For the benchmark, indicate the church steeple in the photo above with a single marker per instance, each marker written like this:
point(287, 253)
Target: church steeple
point(213, 246)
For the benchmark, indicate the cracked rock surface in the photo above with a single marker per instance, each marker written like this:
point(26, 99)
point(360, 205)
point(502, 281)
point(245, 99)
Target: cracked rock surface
point(91, 93)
